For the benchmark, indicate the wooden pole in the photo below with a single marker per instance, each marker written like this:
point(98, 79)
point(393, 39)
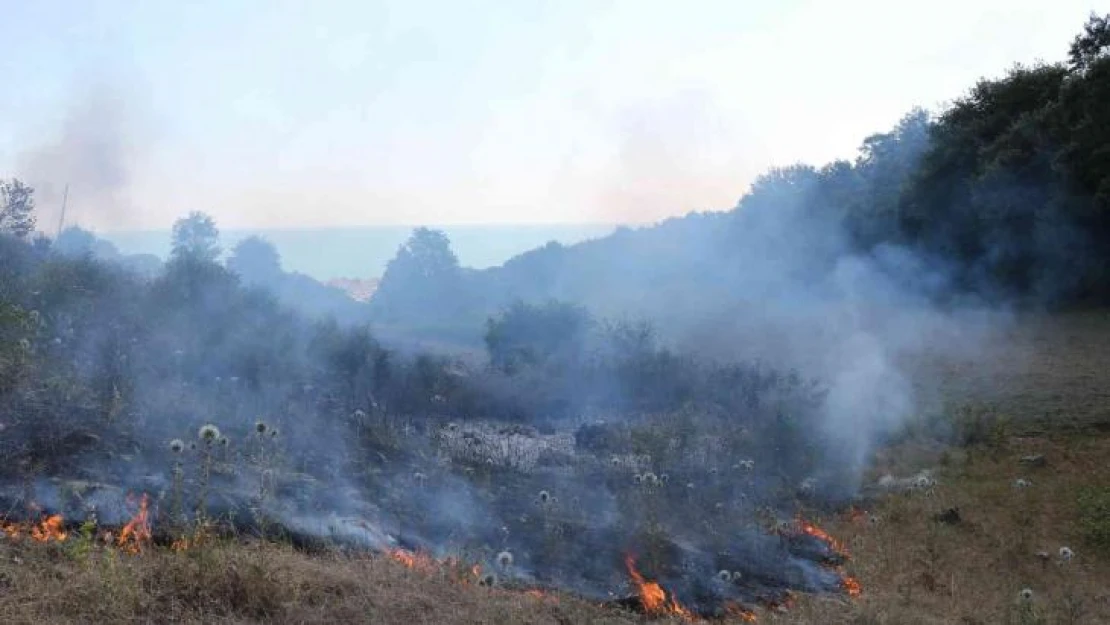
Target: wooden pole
point(62, 218)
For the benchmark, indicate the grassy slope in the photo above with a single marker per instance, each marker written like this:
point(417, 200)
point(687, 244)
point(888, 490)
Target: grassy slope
point(1048, 372)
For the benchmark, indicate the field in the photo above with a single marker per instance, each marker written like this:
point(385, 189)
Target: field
point(960, 553)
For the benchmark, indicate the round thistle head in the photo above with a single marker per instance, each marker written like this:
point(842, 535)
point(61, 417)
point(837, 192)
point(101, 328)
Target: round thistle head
point(545, 496)
point(664, 478)
point(638, 478)
point(208, 433)
point(177, 445)
point(1066, 553)
point(504, 559)
point(1026, 594)
point(737, 576)
point(193, 446)
point(260, 427)
point(724, 576)
point(224, 441)
point(489, 579)
point(650, 479)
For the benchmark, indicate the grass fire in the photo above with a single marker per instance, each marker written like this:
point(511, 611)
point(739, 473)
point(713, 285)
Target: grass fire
point(864, 391)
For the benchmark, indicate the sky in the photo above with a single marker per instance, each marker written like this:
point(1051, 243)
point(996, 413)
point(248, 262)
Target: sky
point(274, 114)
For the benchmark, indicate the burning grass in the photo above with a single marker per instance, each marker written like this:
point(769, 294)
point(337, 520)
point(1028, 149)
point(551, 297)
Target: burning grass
point(916, 569)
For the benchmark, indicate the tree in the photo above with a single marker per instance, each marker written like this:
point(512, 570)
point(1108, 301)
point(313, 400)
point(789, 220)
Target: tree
point(527, 335)
point(256, 260)
point(17, 205)
point(422, 281)
point(196, 237)
point(1092, 43)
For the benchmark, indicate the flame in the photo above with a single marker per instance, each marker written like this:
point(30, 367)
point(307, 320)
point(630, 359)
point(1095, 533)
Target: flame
point(50, 528)
point(652, 596)
point(415, 561)
point(136, 534)
point(823, 536)
point(851, 585)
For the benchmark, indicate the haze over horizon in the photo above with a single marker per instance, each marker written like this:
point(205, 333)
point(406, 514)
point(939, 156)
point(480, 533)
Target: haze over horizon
point(281, 115)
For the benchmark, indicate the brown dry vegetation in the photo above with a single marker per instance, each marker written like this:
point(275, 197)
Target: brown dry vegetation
point(1047, 386)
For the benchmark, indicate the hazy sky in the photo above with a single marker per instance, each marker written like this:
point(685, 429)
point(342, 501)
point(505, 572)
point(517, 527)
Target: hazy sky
point(288, 114)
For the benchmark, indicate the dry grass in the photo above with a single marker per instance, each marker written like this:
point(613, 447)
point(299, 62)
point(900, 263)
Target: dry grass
point(913, 568)
point(251, 583)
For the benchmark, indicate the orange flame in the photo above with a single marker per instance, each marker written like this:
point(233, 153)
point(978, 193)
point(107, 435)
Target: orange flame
point(652, 596)
point(415, 561)
point(50, 528)
point(823, 536)
point(136, 534)
point(851, 585)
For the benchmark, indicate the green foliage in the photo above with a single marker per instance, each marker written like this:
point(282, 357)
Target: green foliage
point(1092, 43)
point(527, 335)
point(1094, 517)
point(422, 282)
point(256, 260)
point(196, 238)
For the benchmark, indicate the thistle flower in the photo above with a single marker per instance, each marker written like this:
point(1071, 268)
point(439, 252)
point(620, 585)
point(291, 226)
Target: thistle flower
point(1026, 594)
point(225, 441)
point(639, 478)
point(545, 496)
point(737, 576)
point(1022, 483)
point(504, 560)
point(664, 478)
point(260, 427)
point(177, 445)
point(208, 433)
point(1066, 553)
point(489, 579)
point(724, 576)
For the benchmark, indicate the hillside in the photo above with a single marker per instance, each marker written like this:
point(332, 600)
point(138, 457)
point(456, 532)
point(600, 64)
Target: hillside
point(1001, 197)
point(912, 568)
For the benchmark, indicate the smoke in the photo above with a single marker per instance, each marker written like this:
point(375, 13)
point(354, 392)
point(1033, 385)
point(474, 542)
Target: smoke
point(94, 151)
point(784, 363)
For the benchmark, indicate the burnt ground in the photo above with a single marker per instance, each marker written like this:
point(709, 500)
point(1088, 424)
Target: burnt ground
point(1040, 391)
